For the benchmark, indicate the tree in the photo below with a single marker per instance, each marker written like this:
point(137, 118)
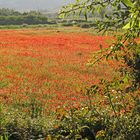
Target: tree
point(124, 15)
point(122, 11)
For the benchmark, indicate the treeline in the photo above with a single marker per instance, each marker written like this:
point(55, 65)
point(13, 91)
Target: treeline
point(12, 17)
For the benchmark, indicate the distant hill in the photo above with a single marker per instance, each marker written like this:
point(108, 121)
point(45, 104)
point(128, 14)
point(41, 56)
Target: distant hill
point(26, 5)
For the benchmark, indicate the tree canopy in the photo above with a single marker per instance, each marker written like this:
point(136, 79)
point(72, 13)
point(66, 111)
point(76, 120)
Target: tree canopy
point(125, 16)
point(119, 13)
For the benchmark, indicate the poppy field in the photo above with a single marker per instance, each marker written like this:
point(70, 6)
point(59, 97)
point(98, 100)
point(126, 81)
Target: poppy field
point(47, 65)
point(45, 79)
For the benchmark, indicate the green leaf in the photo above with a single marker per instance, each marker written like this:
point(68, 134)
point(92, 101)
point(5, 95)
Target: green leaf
point(85, 14)
point(126, 79)
point(128, 25)
point(98, 10)
point(62, 15)
point(128, 3)
point(3, 84)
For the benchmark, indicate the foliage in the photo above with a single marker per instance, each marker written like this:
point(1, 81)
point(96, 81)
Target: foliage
point(124, 14)
point(11, 17)
point(19, 20)
point(118, 14)
point(8, 12)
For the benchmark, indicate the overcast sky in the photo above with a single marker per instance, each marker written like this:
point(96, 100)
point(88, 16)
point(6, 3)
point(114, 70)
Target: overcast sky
point(34, 4)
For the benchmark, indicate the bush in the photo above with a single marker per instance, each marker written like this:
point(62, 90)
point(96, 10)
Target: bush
point(66, 24)
point(85, 25)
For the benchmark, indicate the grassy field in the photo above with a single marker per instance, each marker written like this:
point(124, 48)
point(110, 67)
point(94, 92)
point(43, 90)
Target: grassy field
point(44, 74)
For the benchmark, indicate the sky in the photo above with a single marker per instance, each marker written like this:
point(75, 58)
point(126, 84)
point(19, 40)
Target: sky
point(24, 5)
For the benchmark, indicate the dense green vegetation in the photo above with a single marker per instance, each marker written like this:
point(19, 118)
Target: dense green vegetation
point(125, 15)
point(11, 17)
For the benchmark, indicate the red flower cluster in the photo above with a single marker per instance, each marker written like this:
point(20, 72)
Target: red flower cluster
point(48, 67)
